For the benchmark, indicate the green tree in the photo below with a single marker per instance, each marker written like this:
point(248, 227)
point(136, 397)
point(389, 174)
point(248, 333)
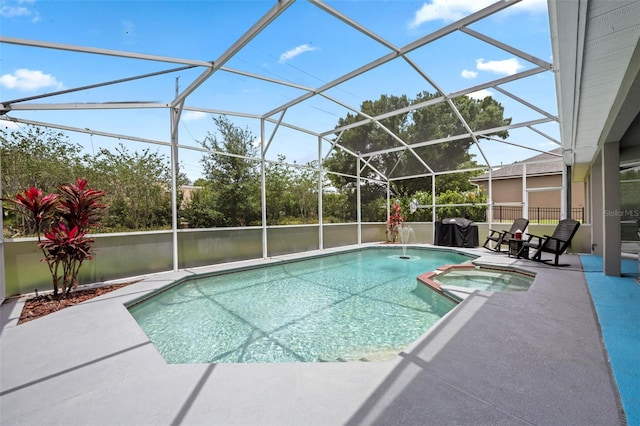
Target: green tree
point(37, 157)
point(234, 176)
point(368, 138)
point(439, 121)
point(200, 211)
point(304, 190)
point(138, 187)
point(475, 213)
point(436, 121)
point(336, 208)
point(278, 182)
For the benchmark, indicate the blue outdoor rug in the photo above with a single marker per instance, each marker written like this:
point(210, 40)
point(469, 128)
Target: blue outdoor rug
point(617, 303)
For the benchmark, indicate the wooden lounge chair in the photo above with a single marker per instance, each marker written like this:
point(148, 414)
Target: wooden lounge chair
point(502, 237)
point(555, 244)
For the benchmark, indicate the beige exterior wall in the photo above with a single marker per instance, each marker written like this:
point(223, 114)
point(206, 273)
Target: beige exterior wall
point(510, 191)
point(544, 207)
point(504, 190)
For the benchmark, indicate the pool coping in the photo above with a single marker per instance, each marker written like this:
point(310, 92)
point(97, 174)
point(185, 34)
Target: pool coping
point(103, 370)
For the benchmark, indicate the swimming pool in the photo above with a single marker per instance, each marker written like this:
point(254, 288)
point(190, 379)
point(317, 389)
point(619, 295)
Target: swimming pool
point(361, 305)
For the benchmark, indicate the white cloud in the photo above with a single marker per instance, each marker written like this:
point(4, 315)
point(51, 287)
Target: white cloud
point(452, 10)
point(290, 54)
point(29, 80)
point(193, 115)
point(446, 11)
point(469, 74)
point(17, 8)
point(480, 94)
point(532, 6)
point(504, 67)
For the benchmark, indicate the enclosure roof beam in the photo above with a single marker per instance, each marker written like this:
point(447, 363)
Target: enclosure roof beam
point(368, 119)
point(385, 115)
point(527, 57)
point(496, 7)
point(93, 86)
point(86, 131)
point(452, 106)
point(542, 151)
point(517, 76)
point(439, 99)
point(334, 83)
point(354, 24)
point(248, 115)
point(512, 126)
point(543, 134)
point(368, 164)
point(525, 103)
point(99, 51)
point(448, 172)
point(461, 23)
point(334, 143)
point(262, 23)
point(267, 79)
point(291, 126)
point(383, 127)
point(221, 112)
point(329, 172)
point(86, 106)
point(273, 133)
point(480, 133)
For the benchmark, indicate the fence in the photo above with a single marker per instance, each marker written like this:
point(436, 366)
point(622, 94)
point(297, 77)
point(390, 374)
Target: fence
point(535, 215)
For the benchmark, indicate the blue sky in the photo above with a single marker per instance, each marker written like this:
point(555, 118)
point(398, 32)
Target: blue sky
point(304, 45)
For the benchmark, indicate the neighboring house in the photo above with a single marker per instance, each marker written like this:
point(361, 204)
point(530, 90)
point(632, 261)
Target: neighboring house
point(187, 192)
point(542, 196)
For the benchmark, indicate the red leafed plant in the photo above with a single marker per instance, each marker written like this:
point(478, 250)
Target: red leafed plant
point(394, 223)
point(66, 217)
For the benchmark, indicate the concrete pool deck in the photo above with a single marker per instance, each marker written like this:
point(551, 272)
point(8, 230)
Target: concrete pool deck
point(534, 357)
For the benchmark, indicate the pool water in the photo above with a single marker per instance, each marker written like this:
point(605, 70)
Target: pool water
point(363, 305)
point(485, 279)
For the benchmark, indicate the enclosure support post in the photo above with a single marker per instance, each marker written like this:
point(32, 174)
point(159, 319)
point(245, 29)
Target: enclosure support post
point(388, 206)
point(490, 207)
point(525, 193)
point(433, 208)
point(359, 204)
point(566, 199)
point(320, 227)
point(263, 190)
point(175, 120)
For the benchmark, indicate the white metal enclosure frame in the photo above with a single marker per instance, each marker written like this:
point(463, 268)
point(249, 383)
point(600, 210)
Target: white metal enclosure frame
point(13, 110)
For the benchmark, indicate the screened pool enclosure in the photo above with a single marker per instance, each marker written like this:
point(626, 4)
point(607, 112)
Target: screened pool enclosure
point(362, 114)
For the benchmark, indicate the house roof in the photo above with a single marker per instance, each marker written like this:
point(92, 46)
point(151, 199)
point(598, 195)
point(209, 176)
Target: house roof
point(548, 163)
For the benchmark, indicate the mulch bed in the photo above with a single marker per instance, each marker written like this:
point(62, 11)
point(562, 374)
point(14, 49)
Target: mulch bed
point(42, 305)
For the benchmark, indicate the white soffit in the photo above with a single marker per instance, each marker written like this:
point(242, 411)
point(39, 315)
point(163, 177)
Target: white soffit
point(593, 43)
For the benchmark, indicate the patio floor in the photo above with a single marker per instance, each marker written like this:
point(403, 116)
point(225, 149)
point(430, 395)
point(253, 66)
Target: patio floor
point(534, 357)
